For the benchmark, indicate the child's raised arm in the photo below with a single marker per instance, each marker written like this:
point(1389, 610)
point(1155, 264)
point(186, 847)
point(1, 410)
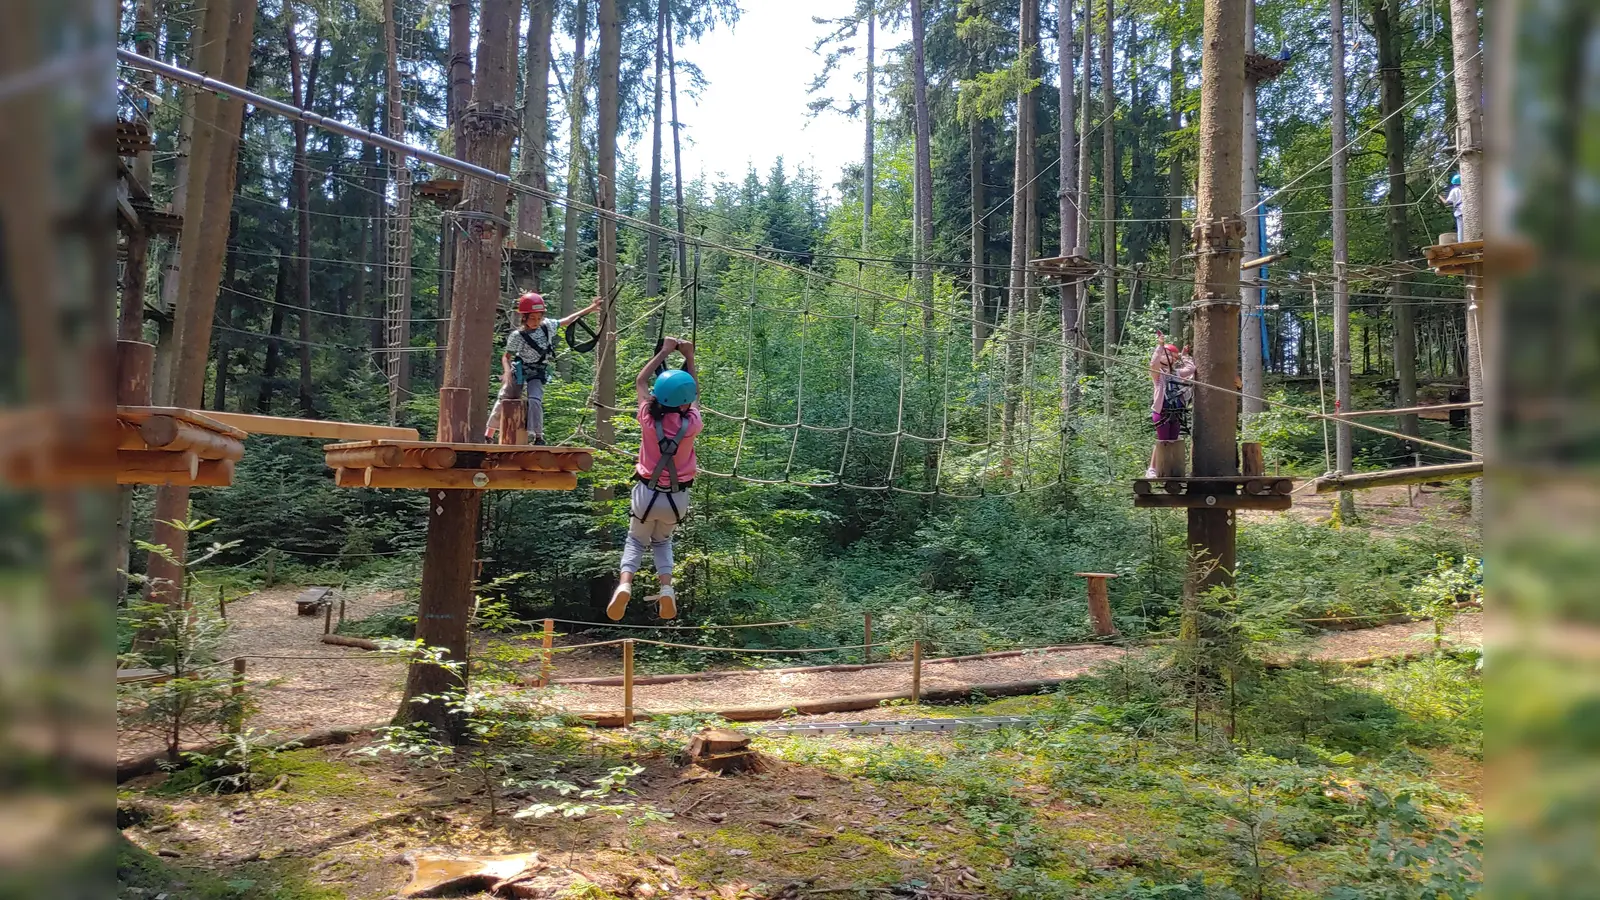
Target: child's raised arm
point(641, 385)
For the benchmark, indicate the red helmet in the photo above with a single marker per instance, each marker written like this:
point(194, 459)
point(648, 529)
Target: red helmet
point(530, 303)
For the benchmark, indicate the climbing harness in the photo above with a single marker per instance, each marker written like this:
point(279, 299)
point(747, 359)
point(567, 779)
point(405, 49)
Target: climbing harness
point(1175, 403)
point(538, 370)
point(668, 463)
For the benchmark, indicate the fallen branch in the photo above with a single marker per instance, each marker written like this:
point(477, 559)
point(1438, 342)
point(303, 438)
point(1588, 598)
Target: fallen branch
point(341, 640)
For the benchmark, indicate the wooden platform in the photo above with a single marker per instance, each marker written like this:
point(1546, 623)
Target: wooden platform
point(443, 192)
point(456, 466)
point(1268, 492)
point(1454, 259)
point(133, 138)
point(1260, 67)
point(133, 445)
point(1075, 266)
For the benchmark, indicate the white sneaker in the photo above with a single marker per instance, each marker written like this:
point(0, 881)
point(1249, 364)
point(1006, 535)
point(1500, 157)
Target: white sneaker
point(666, 601)
point(1150, 472)
point(619, 602)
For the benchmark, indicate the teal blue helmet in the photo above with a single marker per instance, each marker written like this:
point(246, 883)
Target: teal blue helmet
point(674, 388)
point(1455, 179)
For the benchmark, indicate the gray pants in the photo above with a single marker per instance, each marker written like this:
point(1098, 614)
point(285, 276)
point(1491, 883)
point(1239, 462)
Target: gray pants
point(654, 533)
point(535, 394)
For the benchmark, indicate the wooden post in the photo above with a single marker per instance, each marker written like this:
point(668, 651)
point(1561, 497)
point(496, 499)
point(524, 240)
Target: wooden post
point(627, 683)
point(916, 673)
point(1171, 459)
point(341, 609)
point(548, 641)
point(866, 632)
point(272, 566)
point(514, 421)
point(222, 602)
point(1100, 603)
point(236, 692)
point(1253, 461)
point(327, 616)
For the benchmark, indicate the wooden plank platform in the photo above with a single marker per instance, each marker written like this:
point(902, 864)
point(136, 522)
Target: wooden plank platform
point(456, 466)
point(1454, 259)
point(1073, 266)
point(1249, 485)
point(150, 445)
point(133, 138)
point(1273, 502)
point(314, 428)
point(444, 192)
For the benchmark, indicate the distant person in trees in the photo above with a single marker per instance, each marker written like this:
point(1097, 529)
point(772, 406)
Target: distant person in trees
point(1452, 199)
point(525, 364)
point(1172, 375)
point(669, 413)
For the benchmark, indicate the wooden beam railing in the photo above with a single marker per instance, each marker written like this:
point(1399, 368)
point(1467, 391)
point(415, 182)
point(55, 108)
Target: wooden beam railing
point(1417, 475)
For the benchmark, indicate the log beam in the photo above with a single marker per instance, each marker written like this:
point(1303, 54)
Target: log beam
point(1416, 475)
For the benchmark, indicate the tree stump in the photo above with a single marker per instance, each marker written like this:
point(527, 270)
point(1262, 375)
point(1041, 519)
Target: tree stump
point(723, 750)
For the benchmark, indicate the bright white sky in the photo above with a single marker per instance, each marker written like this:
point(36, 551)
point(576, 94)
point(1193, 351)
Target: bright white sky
point(753, 109)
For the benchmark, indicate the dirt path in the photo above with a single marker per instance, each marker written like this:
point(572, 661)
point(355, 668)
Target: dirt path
point(301, 685)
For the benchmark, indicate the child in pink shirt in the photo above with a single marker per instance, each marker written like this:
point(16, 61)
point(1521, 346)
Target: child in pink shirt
point(669, 413)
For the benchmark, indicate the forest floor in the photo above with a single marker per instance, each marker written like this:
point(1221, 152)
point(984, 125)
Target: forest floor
point(1394, 511)
point(1083, 801)
point(299, 684)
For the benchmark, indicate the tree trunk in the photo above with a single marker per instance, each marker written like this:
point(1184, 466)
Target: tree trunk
point(448, 564)
point(1219, 239)
point(1021, 217)
point(225, 303)
point(269, 364)
point(677, 161)
point(868, 178)
point(1067, 205)
point(1343, 446)
point(575, 153)
point(652, 241)
point(300, 91)
point(1108, 195)
point(224, 47)
point(1466, 45)
point(607, 110)
point(923, 213)
point(977, 153)
point(532, 171)
point(1252, 369)
point(458, 93)
point(1391, 100)
point(1082, 193)
point(1176, 183)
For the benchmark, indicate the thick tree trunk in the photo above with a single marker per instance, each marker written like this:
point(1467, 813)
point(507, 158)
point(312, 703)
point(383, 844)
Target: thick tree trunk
point(300, 91)
point(1082, 193)
point(532, 170)
point(448, 565)
point(1176, 87)
point(1343, 445)
point(225, 304)
point(1067, 205)
point(576, 102)
point(1108, 195)
point(224, 46)
point(868, 177)
point(1219, 236)
point(607, 110)
point(1252, 370)
point(1022, 213)
point(1391, 101)
point(458, 93)
point(1466, 45)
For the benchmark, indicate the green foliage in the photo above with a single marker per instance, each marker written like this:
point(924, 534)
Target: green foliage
point(235, 768)
point(1435, 596)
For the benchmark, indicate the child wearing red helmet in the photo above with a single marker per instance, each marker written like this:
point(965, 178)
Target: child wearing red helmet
point(525, 364)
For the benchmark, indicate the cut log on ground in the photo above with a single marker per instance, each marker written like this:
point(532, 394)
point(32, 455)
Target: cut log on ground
point(723, 750)
point(341, 640)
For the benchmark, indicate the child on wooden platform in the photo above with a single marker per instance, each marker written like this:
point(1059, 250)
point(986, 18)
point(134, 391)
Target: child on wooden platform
point(669, 412)
point(1171, 372)
point(525, 364)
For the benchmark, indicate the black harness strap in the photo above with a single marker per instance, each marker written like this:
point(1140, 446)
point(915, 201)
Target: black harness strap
point(667, 463)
